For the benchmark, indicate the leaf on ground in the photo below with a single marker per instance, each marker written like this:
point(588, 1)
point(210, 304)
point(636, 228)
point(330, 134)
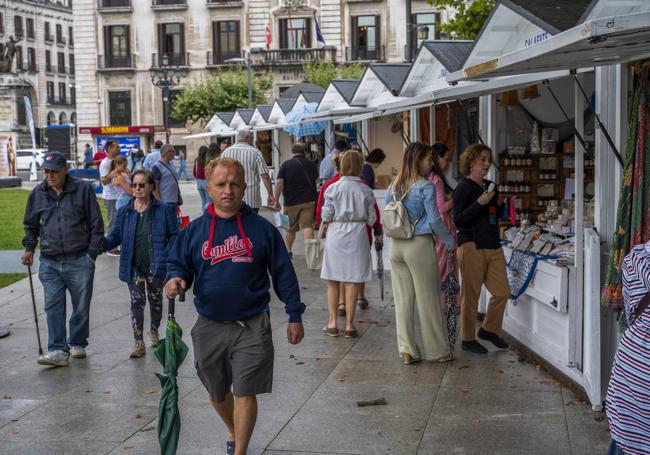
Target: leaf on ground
point(7, 397)
point(138, 416)
point(462, 367)
point(550, 382)
point(369, 321)
point(292, 356)
point(500, 371)
point(378, 402)
point(466, 391)
point(89, 391)
point(106, 392)
point(148, 429)
point(300, 363)
point(149, 391)
point(599, 418)
point(340, 379)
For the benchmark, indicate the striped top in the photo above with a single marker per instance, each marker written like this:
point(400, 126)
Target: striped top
point(254, 166)
point(628, 394)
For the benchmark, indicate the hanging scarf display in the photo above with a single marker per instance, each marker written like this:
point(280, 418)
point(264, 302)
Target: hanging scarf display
point(633, 217)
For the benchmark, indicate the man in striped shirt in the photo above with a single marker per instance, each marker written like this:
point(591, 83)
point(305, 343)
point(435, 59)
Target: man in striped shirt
point(254, 165)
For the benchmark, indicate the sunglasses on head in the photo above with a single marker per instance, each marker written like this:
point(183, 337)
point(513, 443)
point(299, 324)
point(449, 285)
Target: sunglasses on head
point(139, 185)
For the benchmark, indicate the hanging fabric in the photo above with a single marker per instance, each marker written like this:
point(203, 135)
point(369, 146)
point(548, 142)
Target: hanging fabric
point(633, 217)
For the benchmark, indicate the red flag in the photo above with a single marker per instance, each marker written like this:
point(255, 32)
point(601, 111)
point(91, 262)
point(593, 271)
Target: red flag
point(267, 29)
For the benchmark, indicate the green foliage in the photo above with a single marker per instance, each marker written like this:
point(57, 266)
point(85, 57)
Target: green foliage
point(469, 18)
point(10, 278)
point(225, 92)
point(322, 73)
point(12, 208)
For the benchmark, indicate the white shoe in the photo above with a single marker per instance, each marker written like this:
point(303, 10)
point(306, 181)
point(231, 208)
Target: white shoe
point(77, 352)
point(55, 358)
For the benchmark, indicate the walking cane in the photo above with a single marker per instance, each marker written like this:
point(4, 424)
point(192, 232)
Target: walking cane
point(31, 287)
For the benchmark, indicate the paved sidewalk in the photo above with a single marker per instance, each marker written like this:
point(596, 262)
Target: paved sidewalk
point(108, 403)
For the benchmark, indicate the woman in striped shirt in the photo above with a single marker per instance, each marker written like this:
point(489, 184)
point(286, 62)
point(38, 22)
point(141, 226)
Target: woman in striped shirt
point(628, 395)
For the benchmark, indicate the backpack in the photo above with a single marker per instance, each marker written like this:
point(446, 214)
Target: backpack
point(395, 219)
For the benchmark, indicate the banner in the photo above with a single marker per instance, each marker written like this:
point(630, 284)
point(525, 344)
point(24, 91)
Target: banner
point(126, 143)
point(33, 170)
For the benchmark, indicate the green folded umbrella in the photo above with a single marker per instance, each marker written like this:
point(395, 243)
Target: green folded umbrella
point(171, 353)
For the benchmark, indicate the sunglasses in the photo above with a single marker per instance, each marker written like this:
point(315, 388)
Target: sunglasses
point(139, 185)
point(51, 171)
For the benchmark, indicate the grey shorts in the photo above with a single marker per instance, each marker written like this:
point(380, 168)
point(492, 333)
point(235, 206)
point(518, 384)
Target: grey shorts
point(228, 354)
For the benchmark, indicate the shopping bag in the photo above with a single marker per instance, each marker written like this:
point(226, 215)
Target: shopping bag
point(314, 250)
point(281, 220)
point(183, 220)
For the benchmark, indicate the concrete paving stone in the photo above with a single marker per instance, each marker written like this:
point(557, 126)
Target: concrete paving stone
point(588, 430)
point(409, 402)
point(327, 432)
point(12, 409)
point(318, 346)
point(21, 446)
point(459, 435)
point(496, 370)
point(70, 419)
point(284, 452)
point(390, 372)
point(301, 369)
point(496, 405)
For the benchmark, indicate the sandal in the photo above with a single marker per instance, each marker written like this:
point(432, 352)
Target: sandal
point(351, 333)
point(330, 332)
point(342, 309)
point(362, 303)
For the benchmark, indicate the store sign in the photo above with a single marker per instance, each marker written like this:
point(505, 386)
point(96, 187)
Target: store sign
point(94, 130)
point(535, 39)
point(127, 143)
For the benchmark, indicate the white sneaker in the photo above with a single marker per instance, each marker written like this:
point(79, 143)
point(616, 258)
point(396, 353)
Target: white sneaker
point(55, 358)
point(77, 352)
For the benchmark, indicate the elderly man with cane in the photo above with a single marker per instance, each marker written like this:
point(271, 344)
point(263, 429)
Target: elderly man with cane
point(228, 253)
point(62, 212)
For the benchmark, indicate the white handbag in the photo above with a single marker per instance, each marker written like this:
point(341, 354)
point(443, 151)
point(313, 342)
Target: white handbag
point(315, 249)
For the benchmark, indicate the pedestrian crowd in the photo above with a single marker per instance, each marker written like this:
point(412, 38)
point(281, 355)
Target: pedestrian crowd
point(230, 256)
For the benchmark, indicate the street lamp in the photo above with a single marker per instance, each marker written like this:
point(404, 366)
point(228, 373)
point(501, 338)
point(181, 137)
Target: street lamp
point(247, 61)
point(165, 77)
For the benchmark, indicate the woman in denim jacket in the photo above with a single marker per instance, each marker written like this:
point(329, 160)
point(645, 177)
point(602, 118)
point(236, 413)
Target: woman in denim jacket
point(414, 265)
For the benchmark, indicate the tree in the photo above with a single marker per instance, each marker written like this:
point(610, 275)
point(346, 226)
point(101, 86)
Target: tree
point(469, 17)
point(322, 73)
point(225, 92)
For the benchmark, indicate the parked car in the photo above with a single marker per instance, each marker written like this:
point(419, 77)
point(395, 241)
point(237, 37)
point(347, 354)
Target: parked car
point(24, 158)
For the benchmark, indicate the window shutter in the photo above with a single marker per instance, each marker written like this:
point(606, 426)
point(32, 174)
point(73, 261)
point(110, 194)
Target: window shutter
point(378, 49)
point(161, 44)
point(215, 43)
point(283, 33)
point(355, 33)
point(182, 49)
point(128, 43)
point(237, 39)
point(308, 27)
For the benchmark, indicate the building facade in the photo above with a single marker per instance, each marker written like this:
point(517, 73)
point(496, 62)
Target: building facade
point(43, 66)
point(118, 41)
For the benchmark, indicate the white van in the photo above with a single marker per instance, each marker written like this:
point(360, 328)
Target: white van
point(24, 158)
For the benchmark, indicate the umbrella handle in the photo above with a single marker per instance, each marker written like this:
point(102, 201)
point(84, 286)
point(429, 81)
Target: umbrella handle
point(170, 309)
point(181, 294)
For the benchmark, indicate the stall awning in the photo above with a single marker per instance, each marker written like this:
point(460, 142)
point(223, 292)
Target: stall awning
point(210, 134)
point(387, 110)
point(605, 41)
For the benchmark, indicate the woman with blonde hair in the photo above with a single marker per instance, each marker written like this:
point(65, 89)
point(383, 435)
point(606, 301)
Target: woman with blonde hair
point(414, 265)
point(349, 206)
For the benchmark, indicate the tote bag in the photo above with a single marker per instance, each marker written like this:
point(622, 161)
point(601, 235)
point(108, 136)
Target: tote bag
point(314, 250)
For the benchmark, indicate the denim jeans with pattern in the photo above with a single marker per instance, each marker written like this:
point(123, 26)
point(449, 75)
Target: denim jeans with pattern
point(141, 288)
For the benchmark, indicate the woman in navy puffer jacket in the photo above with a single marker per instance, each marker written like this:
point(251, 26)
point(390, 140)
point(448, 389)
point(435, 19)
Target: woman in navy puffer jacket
point(146, 229)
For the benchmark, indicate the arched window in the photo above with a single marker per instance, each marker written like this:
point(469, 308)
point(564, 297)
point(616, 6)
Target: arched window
point(63, 118)
point(73, 118)
point(51, 118)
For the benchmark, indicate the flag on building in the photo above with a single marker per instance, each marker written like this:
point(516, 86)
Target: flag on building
point(319, 35)
point(267, 29)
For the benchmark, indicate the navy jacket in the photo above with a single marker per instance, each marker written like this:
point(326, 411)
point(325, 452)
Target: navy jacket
point(229, 261)
point(163, 232)
point(67, 225)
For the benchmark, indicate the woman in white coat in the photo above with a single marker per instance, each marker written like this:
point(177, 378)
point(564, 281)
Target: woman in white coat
point(349, 206)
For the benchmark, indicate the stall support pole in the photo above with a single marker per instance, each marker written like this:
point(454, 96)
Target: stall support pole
point(275, 140)
point(576, 322)
point(432, 124)
point(364, 132)
point(414, 123)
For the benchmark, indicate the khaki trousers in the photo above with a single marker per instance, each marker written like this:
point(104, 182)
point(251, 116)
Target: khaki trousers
point(478, 267)
point(416, 282)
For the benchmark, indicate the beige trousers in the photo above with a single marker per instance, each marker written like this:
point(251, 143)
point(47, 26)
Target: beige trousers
point(416, 282)
point(478, 267)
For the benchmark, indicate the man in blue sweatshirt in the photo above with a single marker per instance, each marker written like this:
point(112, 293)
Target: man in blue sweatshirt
point(228, 253)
